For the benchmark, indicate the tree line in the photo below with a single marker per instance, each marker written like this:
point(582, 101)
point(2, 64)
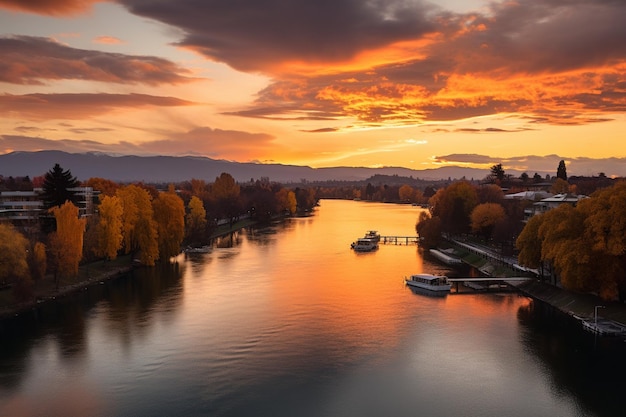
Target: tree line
point(135, 219)
point(583, 246)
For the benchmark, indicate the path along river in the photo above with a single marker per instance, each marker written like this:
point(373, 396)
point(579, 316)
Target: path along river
point(288, 321)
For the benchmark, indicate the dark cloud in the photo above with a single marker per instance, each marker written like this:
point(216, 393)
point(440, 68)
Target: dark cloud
point(78, 106)
point(35, 60)
point(253, 35)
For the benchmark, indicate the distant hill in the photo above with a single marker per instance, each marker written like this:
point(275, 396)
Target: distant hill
point(155, 169)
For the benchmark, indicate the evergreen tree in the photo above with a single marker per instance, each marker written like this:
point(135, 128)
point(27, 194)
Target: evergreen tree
point(56, 187)
point(561, 172)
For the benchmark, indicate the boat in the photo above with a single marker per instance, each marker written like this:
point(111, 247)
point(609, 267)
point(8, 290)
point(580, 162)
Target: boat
point(372, 234)
point(436, 283)
point(201, 249)
point(364, 245)
point(445, 257)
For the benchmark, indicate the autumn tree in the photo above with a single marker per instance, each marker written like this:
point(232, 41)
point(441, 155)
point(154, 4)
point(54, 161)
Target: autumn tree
point(104, 186)
point(13, 261)
point(484, 218)
point(560, 186)
point(226, 191)
point(529, 243)
point(195, 221)
point(37, 261)
point(406, 193)
point(109, 227)
point(428, 229)
point(169, 215)
point(286, 200)
point(453, 206)
point(562, 233)
point(66, 243)
point(138, 225)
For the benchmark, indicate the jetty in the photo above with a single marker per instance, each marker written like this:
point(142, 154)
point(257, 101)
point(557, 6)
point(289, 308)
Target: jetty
point(400, 240)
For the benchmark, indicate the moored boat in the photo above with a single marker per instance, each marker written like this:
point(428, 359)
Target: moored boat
point(372, 234)
point(364, 245)
point(435, 283)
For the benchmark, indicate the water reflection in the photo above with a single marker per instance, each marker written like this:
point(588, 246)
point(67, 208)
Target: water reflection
point(582, 365)
point(129, 303)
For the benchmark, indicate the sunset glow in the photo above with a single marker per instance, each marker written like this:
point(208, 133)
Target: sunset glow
point(416, 84)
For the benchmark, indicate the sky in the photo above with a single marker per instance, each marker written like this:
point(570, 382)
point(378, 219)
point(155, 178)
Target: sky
point(364, 83)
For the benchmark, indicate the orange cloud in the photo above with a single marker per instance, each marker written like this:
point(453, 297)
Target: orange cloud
point(108, 40)
point(49, 7)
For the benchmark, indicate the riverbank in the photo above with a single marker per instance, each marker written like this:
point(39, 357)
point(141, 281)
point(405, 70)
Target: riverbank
point(578, 305)
point(93, 273)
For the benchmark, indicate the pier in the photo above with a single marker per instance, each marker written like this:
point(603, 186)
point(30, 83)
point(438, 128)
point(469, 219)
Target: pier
point(399, 240)
point(488, 283)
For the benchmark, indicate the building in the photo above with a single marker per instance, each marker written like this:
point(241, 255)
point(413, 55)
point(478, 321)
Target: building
point(549, 203)
point(23, 208)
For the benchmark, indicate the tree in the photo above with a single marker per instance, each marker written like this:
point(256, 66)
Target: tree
point(485, 216)
point(560, 186)
point(406, 193)
point(561, 171)
point(428, 229)
point(497, 172)
point(138, 225)
point(106, 187)
point(66, 243)
point(195, 221)
point(453, 206)
point(109, 227)
point(226, 191)
point(56, 187)
point(286, 200)
point(13, 250)
point(169, 215)
point(37, 261)
point(529, 243)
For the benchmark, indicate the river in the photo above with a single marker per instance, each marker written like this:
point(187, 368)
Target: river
point(288, 321)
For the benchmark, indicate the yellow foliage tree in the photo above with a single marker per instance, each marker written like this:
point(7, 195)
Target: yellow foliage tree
point(485, 216)
point(66, 243)
point(138, 225)
point(38, 261)
point(13, 250)
point(109, 227)
point(195, 221)
point(169, 215)
point(286, 200)
point(529, 244)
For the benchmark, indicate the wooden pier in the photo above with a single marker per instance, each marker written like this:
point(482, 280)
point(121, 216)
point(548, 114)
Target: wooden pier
point(488, 283)
point(399, 240)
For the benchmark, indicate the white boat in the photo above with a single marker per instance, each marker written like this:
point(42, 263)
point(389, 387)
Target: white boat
point(372, 234)
point(436, 283)
point(364, 245)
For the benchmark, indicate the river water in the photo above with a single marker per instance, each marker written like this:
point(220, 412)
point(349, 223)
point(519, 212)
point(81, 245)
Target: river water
point(288, 321)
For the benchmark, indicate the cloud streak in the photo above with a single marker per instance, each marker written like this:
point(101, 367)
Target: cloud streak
point(36, 60)
point(78, 106)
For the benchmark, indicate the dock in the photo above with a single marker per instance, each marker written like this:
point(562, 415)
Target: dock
point(488, 283)
point(399, 240)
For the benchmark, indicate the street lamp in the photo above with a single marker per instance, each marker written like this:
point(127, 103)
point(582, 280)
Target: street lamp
point(596, 315)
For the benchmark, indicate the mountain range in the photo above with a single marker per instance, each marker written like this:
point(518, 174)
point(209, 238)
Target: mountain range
point(159, 169)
